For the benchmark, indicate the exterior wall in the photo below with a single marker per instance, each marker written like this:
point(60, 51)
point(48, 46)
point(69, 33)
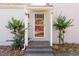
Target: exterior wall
point(5, 16)
point(70, 11)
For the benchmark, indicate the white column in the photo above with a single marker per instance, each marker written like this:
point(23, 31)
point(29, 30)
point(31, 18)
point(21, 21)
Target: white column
point(51, 29)
point(26, 26)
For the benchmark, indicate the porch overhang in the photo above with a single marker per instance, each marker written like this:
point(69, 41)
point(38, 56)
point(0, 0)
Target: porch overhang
point(39, 8)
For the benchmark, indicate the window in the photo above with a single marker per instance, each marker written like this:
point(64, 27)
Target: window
point(39, 25)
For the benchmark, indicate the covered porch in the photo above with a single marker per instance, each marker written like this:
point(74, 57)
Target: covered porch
point(47, 39)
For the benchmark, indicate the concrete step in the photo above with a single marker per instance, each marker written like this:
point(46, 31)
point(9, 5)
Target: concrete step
point(39, 43)
point(39, 51)
point(39, 48)
point(38, 54)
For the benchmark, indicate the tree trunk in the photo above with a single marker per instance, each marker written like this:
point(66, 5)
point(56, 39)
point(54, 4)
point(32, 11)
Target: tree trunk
point(63, 36)
point(60, 36)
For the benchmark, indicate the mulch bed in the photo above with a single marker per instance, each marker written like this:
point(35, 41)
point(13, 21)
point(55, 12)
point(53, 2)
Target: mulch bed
point(58, 50)
point(7, 51)
point(66, 49)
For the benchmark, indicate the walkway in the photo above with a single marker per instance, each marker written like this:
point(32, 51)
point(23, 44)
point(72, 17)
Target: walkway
point(38, 48)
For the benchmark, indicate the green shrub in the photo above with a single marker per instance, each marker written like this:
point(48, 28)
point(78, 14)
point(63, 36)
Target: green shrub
point(61, 24)
point(17, 28)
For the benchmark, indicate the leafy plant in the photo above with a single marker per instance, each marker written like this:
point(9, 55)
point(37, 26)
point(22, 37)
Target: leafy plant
point(61, 24)
point(17, 28)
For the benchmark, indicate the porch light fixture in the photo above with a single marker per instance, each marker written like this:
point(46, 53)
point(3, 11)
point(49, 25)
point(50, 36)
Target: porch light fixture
point(26, 13)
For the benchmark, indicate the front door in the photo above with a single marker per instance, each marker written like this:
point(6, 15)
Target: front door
point(39, 28)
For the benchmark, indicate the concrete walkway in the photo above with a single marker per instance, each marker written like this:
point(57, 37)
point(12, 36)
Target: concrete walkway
point(39, 49)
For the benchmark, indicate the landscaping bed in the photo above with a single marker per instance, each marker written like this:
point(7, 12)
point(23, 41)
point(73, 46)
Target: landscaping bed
point(66, 49)
point(7, 51)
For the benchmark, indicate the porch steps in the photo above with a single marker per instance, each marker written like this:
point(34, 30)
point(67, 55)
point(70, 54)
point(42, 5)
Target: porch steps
point(39, 48)
point(39, 44)
point(38, 51)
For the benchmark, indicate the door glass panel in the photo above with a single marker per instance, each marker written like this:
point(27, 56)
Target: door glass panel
point(39, 25)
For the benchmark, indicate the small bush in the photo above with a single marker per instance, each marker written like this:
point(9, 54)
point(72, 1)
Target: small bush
point(61, 25)
point(17, 28)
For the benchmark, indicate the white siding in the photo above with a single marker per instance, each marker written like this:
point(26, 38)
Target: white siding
point(70, 11)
